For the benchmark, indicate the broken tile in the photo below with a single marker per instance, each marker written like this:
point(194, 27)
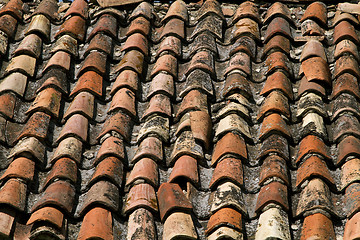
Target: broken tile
point(311, 28)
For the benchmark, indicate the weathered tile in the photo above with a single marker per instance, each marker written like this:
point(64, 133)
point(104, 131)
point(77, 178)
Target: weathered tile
point(236, 83)
point(30, 45)
point(4, 43)
point(277, 9)
point(97, 223)
point(177, 10)
point(15, 82)
point(229, 144)
point(60, 59)
point(37, 126)
point(233, 107)
point(313, 124)
point(316, 11)
point(185, 144)
point(29, 146)
point(100, 42)
point(244, 44)
point(224, 217)
point(352, 228)
point(74, 26)
point(317, 226)
point(275, 102)
point(70, 147)
point(345, 103)
point(144, 9)
point(316, 195)
point(193, 100)
point(210, 24)
point(102, 193)
point(170, 44)
point(13, 8)
point(346, 64)
point(39, 24)
point(110, 168)
point(175, 27)
point(83, 104)
point(278, 81)
point(210, 7)
point(351, 200)
point(95, 61)
point(274, 192)
point(278, 26)
point(345, 125)
point(120, 123)
point(312, 144)
point(64, 168)
point(141, 224)
point(106, 24)
point(141, 196)
point(76, 126)
point(313, 48)
point(246, 10)
point(132, 60)
point(311, 28)
point(343, 16)
point(229, 169)
point(8, 25)
point(112, 146)
point(179, 225)
point(47, 214)
point(185, 168)
point(310, 102)
point(306, 86)
point(48, 8)
point(150, 147)
point(20, 167)
point(91, 82)
point(162, 83)
point(239, 61)
point(246, 27)
point(232, 122)
point(48, 101)
point(136, 41)
point(344, 30)
point(350, 172)
point(128, 79)
point(8, 102)
point(78, 7)
point(124, 100)
point(225, 232)
point(172, 199)
point(278, 61)
point(159, 104)
point(274, 123)
point(276, 43)
point(274, 167)
point(199, 80)
point(22, 63)
point(275, 143)
point(157, 125)
point(145, 169)
point(345, 47)
point(227, 195)
point(273, 224)
point(60, 194)
point(13, 193)
point(139, 25)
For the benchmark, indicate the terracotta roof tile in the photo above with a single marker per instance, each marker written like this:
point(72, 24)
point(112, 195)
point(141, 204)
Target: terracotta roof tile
point(139, 25)
point(225, 217)
point(76, 126)
point(112, 146)
point(110, 168)
point(47, 214)
point(74, 26)
point(171, 44)
point(278, 26)
point(48, 8)
point(273, 192)
point(351, 229)
point(350, 172)
point(136, 41)
point(277, 43)
point(344, 30)
point(8, 25)
point(222, 173)
point(100, 42)
point(97, 223)
point(13, 8)
point(36, 126)
point(317, 225)
point(91, 82)
point(29, 147)
point(40, 24)
point(179, 225)
point(227, 195)
point(64, 168)
point(78, 7)
point(343, 16)
point(275, 143)
point(146, 170)
point(82, 104)
point(7, 107)
point(185, 168)
point(30, 45)
point(106, 24)
point(150, 147)
point(273, 223)
point(311, 28)
point(13, 193)
point(124, 100)
point(274, 123)
point(277, 9)
point(244, 44)
point(143, 9)
point(128, 79)
point(246, 10)
point(69, 147)
point(345, 47)
point(316, 11)
point(351, 199)
point(132, 60)
point(162, 83)
point(275, 102)
point(155, 125)
point(246, 27)
point(141, 196)
point(177, 10)
point(345, 83)
point(274, 167)
point(20, 167)
point(143, 229)
point(48, 101)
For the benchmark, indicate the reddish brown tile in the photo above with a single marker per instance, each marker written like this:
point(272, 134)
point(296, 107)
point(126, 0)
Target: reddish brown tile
point(313, 48)
point(132, 60)
point(351, 199)
point(275, 102)
point(171, 198)
point(49, 8)
point(274, 167)
point(100, 42)
point(239, 61)
point(149, 147)
point(159, 104)
point(312, 144)
point(120, 123)
point(313, 167)
point(345, 125)
point(13, 8)
point(277, 9)
point(112, 146)
point(175, 27)
point(246, 10)
point(306, 86)
point(71, 148)
point(276, 43)
point(346, 64)
point(47, 101)
point(144, 170)
point(345, 83)
point(95, 61)
point(97, 223)
point(316, 11)
point(344, 30)
point(170, 44)
point(22, 168)
point(244, 44)
point(141, 196)
point(273, 192)
point(36, 126)
point(277, 26)
point(277, 61)
point(124, 100)
point(106, 24)
point(162, 83)
point(185, 169)
point(194, 100)
point(317, 226)
point(348, 146)
point(143, 9)
point(346, 47)
point(246, 27)
point(102, 193)
point(208, 7)
point(278, 81)
point(76, 126)
point(139, 25)
point(343, 16)
point(47, 214)
point(82, 104)
point(64, 168)
point(7, 217)
point(352, 228)
point(176, 10)
point(275, 143)
point(60, 194)
point(273, 123)
point(91, 82)
point(8, 102)
point(230, 144)
point(13, 193)
point(136, 41)
point(229, 169)
point(200, 123)
point(224, 217)
point(8, 25)
point(316, 69)
point(166, 63)
point(30, 45)
point(74, 26)
point(202, 60)
point(56, 79)
point(316, 195)
point(236, 83)
point(60, 59)
point(78, 7)
point(350, 173)
point(110, 168)
point(126, 79)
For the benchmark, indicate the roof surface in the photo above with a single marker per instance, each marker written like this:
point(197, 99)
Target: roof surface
point(181, 121)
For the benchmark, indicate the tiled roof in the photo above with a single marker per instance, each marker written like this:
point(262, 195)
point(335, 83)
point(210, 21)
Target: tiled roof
point(179, 121)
